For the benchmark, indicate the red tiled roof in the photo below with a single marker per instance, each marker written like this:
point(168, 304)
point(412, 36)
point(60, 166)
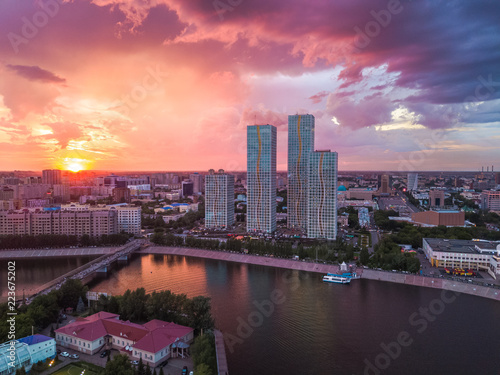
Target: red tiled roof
point(86, 330)
point(161, 335)
point(127, 330)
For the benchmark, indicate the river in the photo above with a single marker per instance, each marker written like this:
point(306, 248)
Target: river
point(278, 321)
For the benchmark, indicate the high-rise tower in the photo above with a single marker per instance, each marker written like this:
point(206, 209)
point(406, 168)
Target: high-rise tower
point(219, 199)
point(322, 195)
point(261, 178)
point(300, 146)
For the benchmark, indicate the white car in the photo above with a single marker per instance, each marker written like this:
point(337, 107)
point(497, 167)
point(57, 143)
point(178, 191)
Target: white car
point(65, 354)
point(74, 356)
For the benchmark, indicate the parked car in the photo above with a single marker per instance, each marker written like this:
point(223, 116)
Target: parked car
point(164, 363)
point(65, 354)
point(185, 370)
point(58, 351)
point(134, 362)
point(104, 354)
point(74, 356)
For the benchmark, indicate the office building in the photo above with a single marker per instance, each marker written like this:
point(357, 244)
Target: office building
point(385, 186)
point(219, 199)
point(322, 195)
point(187, 188)
point(300, 146)
point(412, 181)
point(261, 178)
point(197, 182)
point(490, 200)
point(436, 198)
point(51, 177)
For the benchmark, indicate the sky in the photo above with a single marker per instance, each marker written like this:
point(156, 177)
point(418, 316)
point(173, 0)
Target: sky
point(172, 84)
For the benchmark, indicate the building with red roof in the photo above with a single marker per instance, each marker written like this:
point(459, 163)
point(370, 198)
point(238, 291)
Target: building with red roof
point(154, 341)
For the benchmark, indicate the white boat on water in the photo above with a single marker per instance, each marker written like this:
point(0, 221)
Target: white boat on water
point(338, 279)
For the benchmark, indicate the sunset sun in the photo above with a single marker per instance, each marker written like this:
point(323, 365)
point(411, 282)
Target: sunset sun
point(75, 165)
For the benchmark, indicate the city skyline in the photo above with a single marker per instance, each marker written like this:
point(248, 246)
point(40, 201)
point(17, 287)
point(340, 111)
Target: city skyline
point(172, 85)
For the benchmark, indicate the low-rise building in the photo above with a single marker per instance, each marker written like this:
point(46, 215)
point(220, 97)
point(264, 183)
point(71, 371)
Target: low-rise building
point(154, 341)
point(479, 255)
point(449, 218)
point(28, 351)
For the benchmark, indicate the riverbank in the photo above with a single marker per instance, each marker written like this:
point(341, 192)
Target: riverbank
point(428, 282)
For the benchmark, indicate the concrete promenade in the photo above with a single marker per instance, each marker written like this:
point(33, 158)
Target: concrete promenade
point(243, 258)
point(395, 277)
point(220, 350)
point(55, 253)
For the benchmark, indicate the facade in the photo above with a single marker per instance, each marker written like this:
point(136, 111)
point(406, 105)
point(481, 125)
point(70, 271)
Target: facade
point(300, 146)
point(322, 195)
point(359, 193)
point(219, 199)
point(436, 198)
point(187, 188)
point(121, 195)
point(73, 219)
point(261, 178)
point(385, 186)
point(490, 200)
point(478, 255)
point(412, 183)
point(61, 193)
point(197, 182)
point(128, 217)
point(51, 177)
point(154, 341)
point(447, 218)
point(93, 223)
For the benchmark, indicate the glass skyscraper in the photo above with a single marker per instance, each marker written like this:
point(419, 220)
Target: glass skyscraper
point(261, 178)
point(300, 146)
point(219, 199)
point(322, 195)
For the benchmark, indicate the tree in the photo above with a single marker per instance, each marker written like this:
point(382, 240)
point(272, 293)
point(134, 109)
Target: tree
point(203, 351)
point(364, 256)
point(119, 365)
point(140, 368)
point(203, 369)
point(161, 371)
point(71, 291)
point(21, 371)
point(148, 370)
point(80, 307)
point(52, 332)
point(198, 313)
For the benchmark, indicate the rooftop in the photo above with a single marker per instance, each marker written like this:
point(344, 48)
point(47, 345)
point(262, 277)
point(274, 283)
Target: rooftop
point(35, 339)
point(460, 246)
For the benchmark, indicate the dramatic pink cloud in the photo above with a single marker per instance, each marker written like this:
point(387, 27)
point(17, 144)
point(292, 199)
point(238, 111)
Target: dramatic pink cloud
point(172, 84)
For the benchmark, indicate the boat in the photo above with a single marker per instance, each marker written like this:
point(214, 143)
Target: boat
point(338, 279)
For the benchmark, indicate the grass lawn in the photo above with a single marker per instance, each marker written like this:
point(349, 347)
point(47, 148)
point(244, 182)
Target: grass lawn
point(75, 369)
